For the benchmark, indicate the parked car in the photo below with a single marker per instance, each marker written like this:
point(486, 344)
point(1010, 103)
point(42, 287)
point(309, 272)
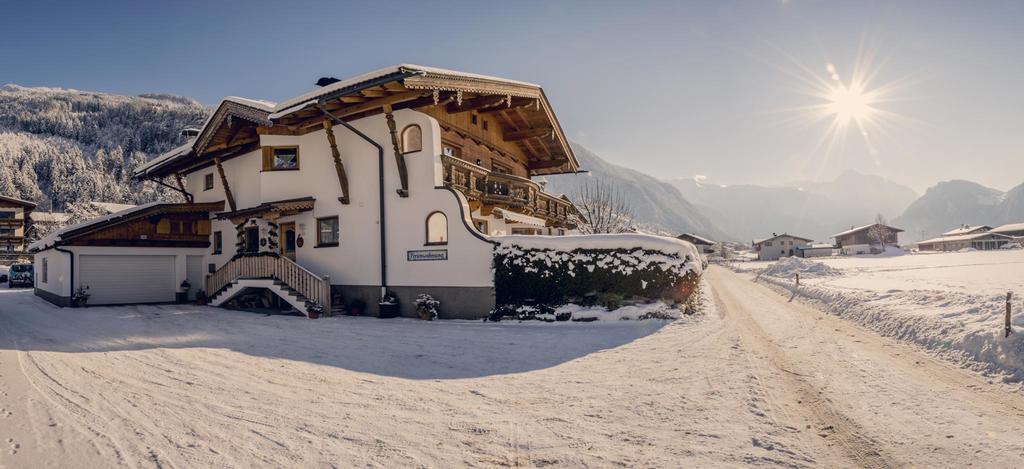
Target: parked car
point(21, 275)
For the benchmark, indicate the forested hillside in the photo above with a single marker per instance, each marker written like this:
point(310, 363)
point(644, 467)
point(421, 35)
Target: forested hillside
point(59, 146)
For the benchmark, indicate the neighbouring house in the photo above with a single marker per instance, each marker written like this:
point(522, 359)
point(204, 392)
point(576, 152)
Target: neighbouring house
point(779, 245)
point(980, 240)
point(14, 218)
point(705, 245)
point(815, 250)
point(1013, 229)
point(388, 182)
point(863, 239)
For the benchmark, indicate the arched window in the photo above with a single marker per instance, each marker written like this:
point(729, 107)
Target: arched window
point(412, 139)
point(437, 228)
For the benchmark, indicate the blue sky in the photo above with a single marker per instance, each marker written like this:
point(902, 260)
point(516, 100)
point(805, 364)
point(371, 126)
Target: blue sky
point(674, 89)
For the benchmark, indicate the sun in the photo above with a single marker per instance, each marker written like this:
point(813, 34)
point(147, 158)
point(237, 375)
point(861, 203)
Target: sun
point(850, 103)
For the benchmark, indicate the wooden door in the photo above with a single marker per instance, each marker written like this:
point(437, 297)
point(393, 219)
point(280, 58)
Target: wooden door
point(287, 238)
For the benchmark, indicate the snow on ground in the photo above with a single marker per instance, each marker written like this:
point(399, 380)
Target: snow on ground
point(950, 303)
point(191, 386)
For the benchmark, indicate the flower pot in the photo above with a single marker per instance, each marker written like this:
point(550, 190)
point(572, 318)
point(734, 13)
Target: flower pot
point(425, 314)
point(314, 314)
point(389, 310)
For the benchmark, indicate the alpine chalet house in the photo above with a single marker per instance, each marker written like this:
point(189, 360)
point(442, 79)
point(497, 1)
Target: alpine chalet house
point(388, 182)
point(705, 245)
point(861, 239)
point(14, 216)
point(779, 245)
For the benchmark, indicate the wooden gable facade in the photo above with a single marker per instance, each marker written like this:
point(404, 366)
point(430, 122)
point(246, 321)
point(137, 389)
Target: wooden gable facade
point(165, 225)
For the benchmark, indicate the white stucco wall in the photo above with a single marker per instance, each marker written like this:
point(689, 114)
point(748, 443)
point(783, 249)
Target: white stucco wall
point(356, 260)
point(57, 277)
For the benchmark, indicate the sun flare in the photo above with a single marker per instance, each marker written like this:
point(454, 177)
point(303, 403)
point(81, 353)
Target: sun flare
point(849, 103)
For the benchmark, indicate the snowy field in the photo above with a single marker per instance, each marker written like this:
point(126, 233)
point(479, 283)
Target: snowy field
point(190, 386)
point(950, 303)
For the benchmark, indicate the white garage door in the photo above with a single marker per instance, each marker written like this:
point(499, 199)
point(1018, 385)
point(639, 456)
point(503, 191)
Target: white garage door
point(127, 279)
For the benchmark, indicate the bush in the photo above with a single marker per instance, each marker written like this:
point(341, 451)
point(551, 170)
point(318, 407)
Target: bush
point(532, 276)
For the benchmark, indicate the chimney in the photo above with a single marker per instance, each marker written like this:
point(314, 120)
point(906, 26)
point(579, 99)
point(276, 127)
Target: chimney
point(324, 81)
point(773, 234)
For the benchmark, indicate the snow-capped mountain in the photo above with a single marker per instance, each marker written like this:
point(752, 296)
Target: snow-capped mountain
point(952, 203)
point(61, 146)
point(658, 205)
point(812, 209)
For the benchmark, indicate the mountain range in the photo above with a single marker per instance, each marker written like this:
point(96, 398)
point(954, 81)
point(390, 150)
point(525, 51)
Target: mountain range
point(949, 204)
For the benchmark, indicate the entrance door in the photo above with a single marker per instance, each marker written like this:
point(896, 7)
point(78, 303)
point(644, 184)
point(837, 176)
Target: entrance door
point(252, 239)
point(288, 240)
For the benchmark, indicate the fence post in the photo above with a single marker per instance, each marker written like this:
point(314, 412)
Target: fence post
point(1009, 297)
point(798, 280)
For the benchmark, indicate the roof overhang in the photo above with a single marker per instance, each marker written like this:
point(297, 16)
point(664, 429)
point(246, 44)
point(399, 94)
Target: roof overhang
point(4, 200)
point(280, 208)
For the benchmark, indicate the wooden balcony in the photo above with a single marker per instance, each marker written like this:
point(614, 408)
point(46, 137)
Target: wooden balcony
point(506, 190)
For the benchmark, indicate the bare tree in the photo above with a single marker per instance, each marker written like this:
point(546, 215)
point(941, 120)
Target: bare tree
point(879, 232)
point(603, 209)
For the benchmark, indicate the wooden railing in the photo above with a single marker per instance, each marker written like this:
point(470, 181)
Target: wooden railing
point(308, 284)
point(490, 187)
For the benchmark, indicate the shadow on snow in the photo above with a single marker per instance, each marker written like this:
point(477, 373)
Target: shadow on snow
point(404, 348)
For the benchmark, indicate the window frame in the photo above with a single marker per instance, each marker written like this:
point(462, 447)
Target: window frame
point(45, 272)
point(477, 222)
point(319, 232)
point(208, 182)
point(405, 145)
point(269, 158)
point(427, 241)
point(218, 243)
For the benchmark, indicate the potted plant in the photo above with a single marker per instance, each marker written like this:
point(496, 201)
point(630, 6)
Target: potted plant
point(81, 297)
point(201, 298)
point(182, 296)
point(314, 309)
point(426, 306)
point(389, 307)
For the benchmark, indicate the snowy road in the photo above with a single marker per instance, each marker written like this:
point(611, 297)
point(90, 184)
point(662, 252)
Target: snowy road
point(756, 381)
point(874, 402)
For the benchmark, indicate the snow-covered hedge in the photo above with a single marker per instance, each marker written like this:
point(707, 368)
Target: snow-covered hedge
point(556, 270)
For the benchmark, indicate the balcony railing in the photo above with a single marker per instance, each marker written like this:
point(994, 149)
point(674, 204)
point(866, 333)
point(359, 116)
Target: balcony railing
point(494, 188)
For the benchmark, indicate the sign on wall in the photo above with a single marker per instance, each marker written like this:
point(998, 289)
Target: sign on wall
point(427, 255)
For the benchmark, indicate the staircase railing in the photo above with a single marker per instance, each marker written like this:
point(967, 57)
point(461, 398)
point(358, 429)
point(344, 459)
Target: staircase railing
point(308, 284)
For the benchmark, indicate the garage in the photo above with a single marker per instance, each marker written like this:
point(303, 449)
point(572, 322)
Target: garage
point(115, 279)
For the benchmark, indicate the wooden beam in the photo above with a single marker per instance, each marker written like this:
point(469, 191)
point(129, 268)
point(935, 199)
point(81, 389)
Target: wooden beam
point(403, 173)
point(369, 105)
point(352, 99)
point(222, 146)
point(374, 93)
point(549, 163)
point(475, 104)
point(181, 187)
point(224, 181)
point(516, 103)
point(527, 133)
point(339, 167)
point(275, 130)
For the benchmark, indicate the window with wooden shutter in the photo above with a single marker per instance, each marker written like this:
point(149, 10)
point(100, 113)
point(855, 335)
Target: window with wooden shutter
point(163, 226)
point(268, 158)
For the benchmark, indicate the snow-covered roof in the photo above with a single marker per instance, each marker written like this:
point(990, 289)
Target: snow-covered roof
point(963, 237)
point(52, 238)
point(861, 228)
point(516, 217)
point(15, 201)
point(312, 96)
point(701, 239)
point(49, 217)
point(966, 229)
point(1008, 228)
point(111, 207)
point(787, 235)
